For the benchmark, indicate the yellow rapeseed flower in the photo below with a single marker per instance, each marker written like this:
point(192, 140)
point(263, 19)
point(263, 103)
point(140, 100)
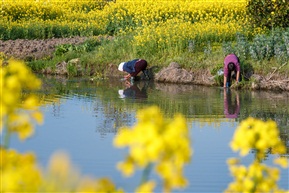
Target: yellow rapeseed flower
point(282, 161)
point(155, 140)
point(146, 187)
point(257, 177)
point(19, 172)
point(16, 77)
point(59, 165)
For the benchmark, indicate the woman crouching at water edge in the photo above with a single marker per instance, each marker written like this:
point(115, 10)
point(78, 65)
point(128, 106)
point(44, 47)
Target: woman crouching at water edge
point(133, 67)
point(231, 64)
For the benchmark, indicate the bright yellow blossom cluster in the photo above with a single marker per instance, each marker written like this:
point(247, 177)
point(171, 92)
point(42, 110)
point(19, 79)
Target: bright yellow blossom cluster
point(176, 33)
point(19, 172)
point(50, 18)
point(259, 135)
point(90, 17)
point(154, 140)
point(173, 24)
point(18, 109)
point(257, 177)
point(47, 9)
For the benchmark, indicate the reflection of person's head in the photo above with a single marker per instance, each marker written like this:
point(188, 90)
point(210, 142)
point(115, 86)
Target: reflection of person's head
point(133, 92)
point(120, 93)
point(231, 66)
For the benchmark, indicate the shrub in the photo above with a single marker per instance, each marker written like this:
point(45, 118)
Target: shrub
point(269, 13)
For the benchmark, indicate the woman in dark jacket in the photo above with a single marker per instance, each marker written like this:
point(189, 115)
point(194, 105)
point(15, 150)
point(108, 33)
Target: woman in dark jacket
point(133, 67)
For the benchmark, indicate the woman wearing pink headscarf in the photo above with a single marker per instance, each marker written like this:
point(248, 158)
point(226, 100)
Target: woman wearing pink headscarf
point(231, 64)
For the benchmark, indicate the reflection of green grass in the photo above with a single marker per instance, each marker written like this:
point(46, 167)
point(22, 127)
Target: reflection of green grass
point(187, 99)
point(194, 102)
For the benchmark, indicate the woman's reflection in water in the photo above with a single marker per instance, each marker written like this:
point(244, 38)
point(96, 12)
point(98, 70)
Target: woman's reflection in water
point(232, 107)
point(134, 92)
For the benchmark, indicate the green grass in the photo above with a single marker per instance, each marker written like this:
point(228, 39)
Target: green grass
point(263, 54)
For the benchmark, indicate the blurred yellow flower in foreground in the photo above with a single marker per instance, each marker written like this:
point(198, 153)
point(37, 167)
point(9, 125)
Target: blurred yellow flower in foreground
point(101, 185)
point(146, 187)
point(19, 172)
point(257, 177)
point(18, 110)
point(154, 140)
point(254, 133)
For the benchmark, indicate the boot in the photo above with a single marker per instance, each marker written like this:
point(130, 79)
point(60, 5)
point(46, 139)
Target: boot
point(146, 74)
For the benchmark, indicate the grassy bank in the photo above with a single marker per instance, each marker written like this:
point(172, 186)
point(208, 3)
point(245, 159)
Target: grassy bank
point(263, 54)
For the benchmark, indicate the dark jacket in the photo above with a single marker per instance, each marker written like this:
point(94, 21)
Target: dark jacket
point(129, 66)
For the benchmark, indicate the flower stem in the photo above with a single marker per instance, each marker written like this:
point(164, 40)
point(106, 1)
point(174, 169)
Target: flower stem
point(146, 172)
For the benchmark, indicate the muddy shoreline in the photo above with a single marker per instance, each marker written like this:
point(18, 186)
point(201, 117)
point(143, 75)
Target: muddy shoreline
point(37, 49)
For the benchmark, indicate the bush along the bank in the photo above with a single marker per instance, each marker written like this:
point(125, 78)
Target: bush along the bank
point(88, 46)
point(273, 45)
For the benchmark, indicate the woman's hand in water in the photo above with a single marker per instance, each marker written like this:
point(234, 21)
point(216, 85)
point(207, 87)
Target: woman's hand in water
point(127, 76)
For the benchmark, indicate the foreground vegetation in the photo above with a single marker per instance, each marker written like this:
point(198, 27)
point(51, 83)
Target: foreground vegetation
point(197, 34)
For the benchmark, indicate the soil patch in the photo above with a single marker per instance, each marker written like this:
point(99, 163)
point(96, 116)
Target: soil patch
point(35, 49)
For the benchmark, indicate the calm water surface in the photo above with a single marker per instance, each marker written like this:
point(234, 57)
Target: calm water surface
point(82, 117)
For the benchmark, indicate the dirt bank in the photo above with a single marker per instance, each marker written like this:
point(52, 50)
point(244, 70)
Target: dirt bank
point(35, 49)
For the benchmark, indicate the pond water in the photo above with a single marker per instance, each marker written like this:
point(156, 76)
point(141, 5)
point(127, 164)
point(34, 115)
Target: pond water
point(82, 117)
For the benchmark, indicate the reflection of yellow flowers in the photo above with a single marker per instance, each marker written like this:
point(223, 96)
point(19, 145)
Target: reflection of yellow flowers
point(155, 140)
point(257, 177)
